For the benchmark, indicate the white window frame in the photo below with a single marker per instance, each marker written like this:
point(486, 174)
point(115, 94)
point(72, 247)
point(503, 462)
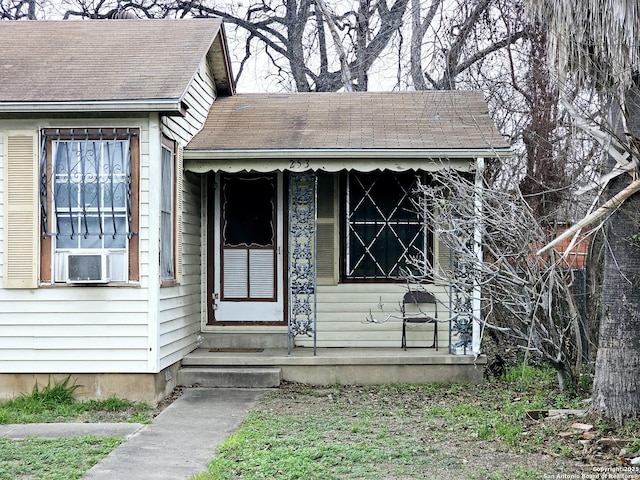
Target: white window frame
point(168, 213)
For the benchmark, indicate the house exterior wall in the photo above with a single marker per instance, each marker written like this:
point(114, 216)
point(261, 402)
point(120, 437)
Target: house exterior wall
point(141, 328)
point(198, 100)
point(179, 312)
point(346, 311)
point(80, 329)
point(180, 305)
point(365, 313)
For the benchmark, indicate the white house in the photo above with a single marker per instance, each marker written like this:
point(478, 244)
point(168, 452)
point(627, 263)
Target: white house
point(148, 210)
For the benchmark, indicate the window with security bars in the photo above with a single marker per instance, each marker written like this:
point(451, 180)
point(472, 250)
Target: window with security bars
point(89, 200)
point(383, 229)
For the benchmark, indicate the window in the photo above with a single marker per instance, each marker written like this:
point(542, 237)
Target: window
point(327, 236)
point(167, 212)
point(89, 201)
point(383, 228)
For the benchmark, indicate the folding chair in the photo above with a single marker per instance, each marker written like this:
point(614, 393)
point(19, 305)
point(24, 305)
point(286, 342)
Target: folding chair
point(416, 298)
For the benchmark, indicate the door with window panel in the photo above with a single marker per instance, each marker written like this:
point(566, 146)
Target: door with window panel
point(249, 271)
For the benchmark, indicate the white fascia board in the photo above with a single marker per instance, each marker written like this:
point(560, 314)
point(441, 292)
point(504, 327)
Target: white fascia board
point(171, 105)
point(346, 153)
point(334, 160)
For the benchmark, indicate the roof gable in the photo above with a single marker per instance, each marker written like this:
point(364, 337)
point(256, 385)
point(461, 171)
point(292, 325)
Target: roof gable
point(104, 60)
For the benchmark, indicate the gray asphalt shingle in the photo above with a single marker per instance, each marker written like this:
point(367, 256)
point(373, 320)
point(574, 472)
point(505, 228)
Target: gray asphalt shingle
point(101, 60)
point(367, 120)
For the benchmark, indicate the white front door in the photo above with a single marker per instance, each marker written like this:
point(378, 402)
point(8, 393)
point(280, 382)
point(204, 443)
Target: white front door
point(248, 253)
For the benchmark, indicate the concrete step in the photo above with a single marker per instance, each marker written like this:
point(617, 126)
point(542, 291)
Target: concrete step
point(242, 340)
point(230, 377)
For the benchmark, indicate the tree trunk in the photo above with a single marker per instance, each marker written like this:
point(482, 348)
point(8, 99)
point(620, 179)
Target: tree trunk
point(616, 388)
point(32, 10)
point(594, 272)
point(296, 19)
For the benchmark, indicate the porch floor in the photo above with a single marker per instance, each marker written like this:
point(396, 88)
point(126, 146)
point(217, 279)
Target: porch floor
point(352, 366)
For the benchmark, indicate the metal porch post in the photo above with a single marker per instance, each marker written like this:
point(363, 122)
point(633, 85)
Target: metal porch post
point(302, 318)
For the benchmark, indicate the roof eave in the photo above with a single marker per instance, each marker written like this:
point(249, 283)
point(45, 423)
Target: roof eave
point(356, 153)
point(219, 36)
point(227, 61)
point(167, 106)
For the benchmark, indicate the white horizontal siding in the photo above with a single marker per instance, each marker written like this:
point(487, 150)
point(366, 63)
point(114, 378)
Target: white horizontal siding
point(70, 355)
point(64, 342)
point(2, 208)
point(118, 361)
point(119, 335)
point(344, 310)
point(59, 332)
point(90, 300)
point(180, 315)
point(175, 351)
point(78, 329)
point(198, 99)
point(180, 306)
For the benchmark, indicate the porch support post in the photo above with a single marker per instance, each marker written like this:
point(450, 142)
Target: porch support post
point(302, 257)
point(477, 247)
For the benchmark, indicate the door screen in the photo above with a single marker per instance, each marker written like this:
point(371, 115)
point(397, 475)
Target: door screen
point(248, 238)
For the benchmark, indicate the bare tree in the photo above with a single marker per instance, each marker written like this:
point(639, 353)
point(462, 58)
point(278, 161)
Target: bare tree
point(452, 38)
point(490, 45)
point(344, 64)
point(18, 9)
point(545, 171)
point(291, 34)
point(525, 297)
point(294, 32)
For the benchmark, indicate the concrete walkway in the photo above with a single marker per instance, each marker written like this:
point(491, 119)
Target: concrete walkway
point(57, 430)
point(178, 444)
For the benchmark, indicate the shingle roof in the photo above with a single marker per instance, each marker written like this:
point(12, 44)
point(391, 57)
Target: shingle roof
point(101, 60)
point(367, 120)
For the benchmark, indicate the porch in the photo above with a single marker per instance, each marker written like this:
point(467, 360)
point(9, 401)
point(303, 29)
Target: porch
point(267, 367)
point(323, 258)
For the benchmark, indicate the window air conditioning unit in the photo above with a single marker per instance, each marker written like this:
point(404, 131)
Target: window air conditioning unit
point(87, 267)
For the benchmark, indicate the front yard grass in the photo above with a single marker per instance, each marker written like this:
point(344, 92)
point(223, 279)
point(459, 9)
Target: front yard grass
point(404, 432)
point(52, 459)
point(61, 458)
point(55, 402)
point(394, 432)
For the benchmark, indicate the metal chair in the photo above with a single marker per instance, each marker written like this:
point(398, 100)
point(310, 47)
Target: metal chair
point(417, 298)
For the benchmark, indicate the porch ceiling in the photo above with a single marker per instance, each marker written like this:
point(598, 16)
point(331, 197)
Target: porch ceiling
point(332, 131)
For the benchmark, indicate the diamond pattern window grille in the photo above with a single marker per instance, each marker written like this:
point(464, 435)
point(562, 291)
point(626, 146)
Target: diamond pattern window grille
point(384, 229)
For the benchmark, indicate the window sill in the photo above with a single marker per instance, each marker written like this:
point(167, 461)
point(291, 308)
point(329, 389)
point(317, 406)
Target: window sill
point(89, 285)
point(380, 280)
